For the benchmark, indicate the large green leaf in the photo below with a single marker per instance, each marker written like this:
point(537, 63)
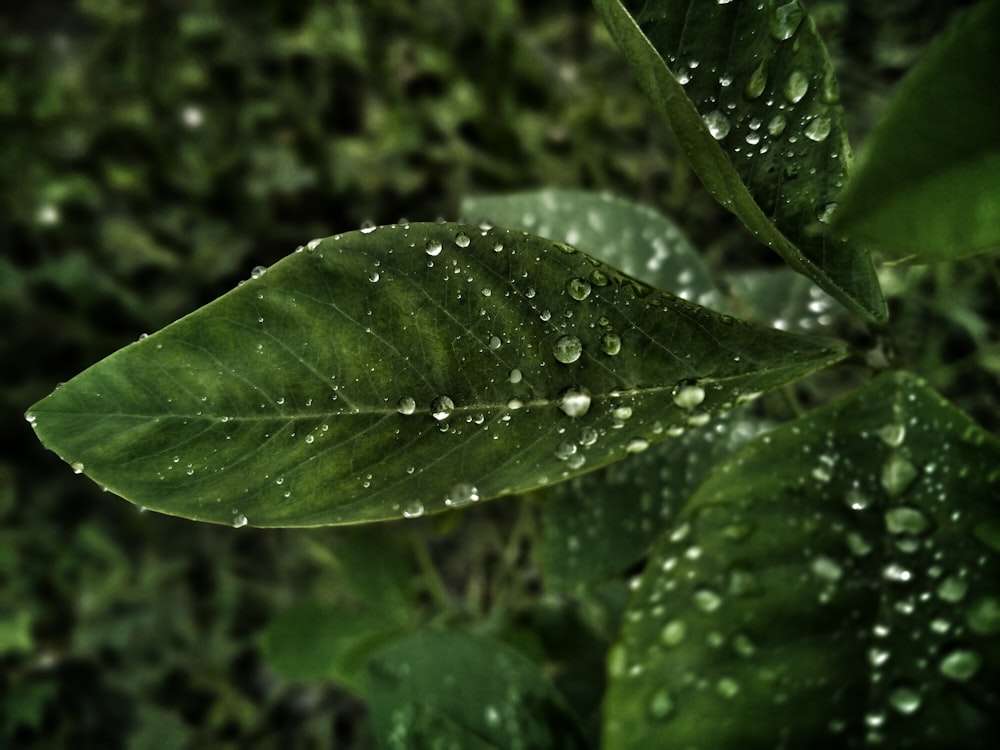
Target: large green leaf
point(835, 581)
point(929, 185)
point(641, 242)
point(455, 690)
point(404, 370)
point(751, 95)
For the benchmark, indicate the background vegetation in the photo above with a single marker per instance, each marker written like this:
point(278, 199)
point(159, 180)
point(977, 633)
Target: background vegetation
point(153, 153)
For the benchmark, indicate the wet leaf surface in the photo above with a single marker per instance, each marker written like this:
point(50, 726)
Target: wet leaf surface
point(751, 95)
point(839, 576)
point(406, 370)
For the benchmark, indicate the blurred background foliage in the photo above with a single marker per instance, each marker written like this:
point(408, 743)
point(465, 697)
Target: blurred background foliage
point(152, 153)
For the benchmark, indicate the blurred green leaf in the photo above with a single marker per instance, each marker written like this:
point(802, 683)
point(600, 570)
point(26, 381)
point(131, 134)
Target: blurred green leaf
point(444, 690)
point(751, 95)
point(929, 186)
point(405, 370)
point(782, 299)
point(834, 583)
point(15, 633)
point(634, 238)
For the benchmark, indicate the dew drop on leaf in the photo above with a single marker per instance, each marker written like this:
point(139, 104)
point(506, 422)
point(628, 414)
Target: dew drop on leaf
point(77, 467)
point(567, 349)
point(578, 289)
point(673, 633)
point(906, 520)
point(688, 395)
point(461, 494)
point(983, 615)
point(367, 227)
point(240, 520)
point(905, 699)
point(515, 376)
point(433, 247)
point(718, 124)
point(406, 405)
point(757, 81)
point(796, 86)
point(462, 239)
point(784, 20)
point(258, 271)
point(897, 475)
point(413, 509)
point(441, 408)
point(960, 665)
point(575, 401)
point(611, 344)
point(818, 129)
point(661, 705)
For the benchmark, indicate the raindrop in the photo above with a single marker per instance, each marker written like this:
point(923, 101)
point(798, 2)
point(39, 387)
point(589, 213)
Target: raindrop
point(311, 245)
point(906, 520)
point(495, 342)
point(575, 401)
point(718, 124)
point(818, 129)
point(462, 493)
point(673, 632)
point(433, 247)
point(564, 450)
point(374, 276)
point(897, 475)
point(856, 499)
point(776, 125)
point(785, 20)
point(441, 408)
point(960, 665)
point(413, 509)
point(636, 445)
point(952, 589)
point(688, 395)
point(77, 467)
point(492, 716)
point(462, 239)
point(904, 699)
point(567, 349)
point(611, 344)
point(589, 436)
point(367, 227)
point(983, 615)
point(622, 413)
point(515, 376)
point(827, 568)
point(727, 687)
point(239, 520)
point(406, 405)
point(707, 600)
point(662, 704)
point(258, 271)
point(579, 289)
point(796, 86)
point(757, 81)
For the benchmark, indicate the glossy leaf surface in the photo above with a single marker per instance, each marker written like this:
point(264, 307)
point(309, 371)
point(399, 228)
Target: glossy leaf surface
point(751, 95)
point(443, 690)
point(405, 370)
point(929, 186)
point(839, 576)
point(634, 238)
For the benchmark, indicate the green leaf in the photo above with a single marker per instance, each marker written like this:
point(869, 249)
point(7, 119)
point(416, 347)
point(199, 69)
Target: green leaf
point(835, 581)
point(598, 524)
point(634, 238)
point(405, 370)
point(751, 95)
point(784, 300)
point(444, 690)
point(929, 186)
point(313, 642)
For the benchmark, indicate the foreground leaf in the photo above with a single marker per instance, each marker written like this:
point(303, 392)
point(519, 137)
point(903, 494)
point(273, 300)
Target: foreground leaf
point(641, 242)
point(929, 186)
point(453, 690)
point(835, 582)
point(751, 95)
point(405, 370)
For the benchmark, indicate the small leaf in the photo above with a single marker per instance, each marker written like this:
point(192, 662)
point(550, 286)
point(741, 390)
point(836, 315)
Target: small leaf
point(929, 186)
point(750, 93)
point(838, 576)
point(404, 370)
point(439, 690)
point(634, 238)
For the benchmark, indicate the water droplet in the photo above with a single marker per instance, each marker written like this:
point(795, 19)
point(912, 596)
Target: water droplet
point(718, 124)
point(239, 520)
point(433, 247)
point(707, 600)
point(826, 568)
point(784, 20)
point(567, 349)
point(906, 520)
point(622, 413)
point(611, 344)
point(776, 125)
point(413, 509)
point(727, 687)
point(636, 445)
point(673, 632)
point(662, 704)
point(904, 699)
point(462, 493)
point(983, 615)
point(589, 436)
point(462, 239)
point(515, 376)
point(311, 245)
point(77, 467)
point(688, 395)
point(796, 86)
point(258, 271)
point(897, 475)
point(599, 278)
point(564, 450)
point(367, 227)
point(818, 129)
point(492, 717)
point(960, 664)
point(495, 342)
point(952, 589)
point(578, 289)
point(441, 408)
point(757, 81)
point(574, 401)
point(406, 405)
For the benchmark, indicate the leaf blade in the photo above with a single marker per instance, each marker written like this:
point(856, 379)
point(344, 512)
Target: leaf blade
point(368, 379)
point(736, 58)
